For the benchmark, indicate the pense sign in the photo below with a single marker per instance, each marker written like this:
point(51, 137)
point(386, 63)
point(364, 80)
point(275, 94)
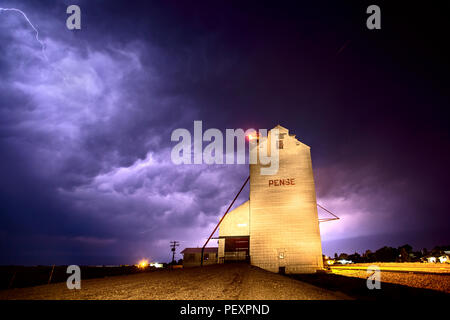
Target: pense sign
point(282, 182)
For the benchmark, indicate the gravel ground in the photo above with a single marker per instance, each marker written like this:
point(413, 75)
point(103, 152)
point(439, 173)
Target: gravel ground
point(424, 281)
point(219, 282)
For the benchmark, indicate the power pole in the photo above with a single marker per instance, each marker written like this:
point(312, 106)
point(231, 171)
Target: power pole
point(173, 245)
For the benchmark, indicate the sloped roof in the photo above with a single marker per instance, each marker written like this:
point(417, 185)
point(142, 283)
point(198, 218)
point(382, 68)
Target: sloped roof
point(280, 127)
point(199, 250)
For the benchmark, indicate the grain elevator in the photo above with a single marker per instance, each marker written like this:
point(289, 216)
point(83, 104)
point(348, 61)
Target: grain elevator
point(277, 229)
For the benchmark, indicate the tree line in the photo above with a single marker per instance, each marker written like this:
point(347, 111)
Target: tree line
point(404, 253)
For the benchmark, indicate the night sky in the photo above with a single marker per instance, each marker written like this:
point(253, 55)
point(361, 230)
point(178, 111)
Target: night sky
point(86, 174)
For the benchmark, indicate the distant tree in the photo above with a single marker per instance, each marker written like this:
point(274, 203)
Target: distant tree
point(436, 251)
point(386, 254)
point(404, 255)
point(407, 247)
point(356, 257)
point(368, 256)
point(343, 256)
point(415, 256)
point(180, 261)
point(335, 256)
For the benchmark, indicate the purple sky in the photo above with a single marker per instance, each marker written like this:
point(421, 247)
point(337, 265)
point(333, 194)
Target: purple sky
point(86, 175)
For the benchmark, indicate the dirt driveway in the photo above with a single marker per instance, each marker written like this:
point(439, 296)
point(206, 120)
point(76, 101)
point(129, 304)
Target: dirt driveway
point(219, 282)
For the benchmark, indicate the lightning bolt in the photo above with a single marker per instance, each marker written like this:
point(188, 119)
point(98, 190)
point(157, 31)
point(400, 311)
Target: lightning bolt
point(32, 26)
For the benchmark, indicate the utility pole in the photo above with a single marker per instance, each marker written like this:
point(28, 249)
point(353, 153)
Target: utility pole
point(173, 245)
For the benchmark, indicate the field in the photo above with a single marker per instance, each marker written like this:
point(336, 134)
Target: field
point(417, 275)
point(24, 276)
point(416, 267)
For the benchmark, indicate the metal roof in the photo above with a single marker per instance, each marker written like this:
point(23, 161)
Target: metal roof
point(199, 250)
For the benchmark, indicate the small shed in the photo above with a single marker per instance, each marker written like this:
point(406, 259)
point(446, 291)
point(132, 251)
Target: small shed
point(192, 256)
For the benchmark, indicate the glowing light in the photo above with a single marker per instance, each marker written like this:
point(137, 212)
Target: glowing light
point(143, 264)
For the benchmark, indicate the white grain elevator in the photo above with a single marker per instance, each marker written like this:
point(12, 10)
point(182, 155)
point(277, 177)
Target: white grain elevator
point(277, 229)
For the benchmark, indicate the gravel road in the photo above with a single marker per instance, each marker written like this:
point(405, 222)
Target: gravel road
point(218, 282)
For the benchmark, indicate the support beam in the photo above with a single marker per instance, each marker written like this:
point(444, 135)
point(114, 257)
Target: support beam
point(212, 233)
point(327, 219)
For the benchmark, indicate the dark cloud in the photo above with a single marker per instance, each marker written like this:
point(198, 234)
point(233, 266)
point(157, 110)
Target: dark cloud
point(85, 135)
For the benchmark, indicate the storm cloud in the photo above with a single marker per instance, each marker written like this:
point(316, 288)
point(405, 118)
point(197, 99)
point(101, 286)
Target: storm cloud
point(85, 128)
